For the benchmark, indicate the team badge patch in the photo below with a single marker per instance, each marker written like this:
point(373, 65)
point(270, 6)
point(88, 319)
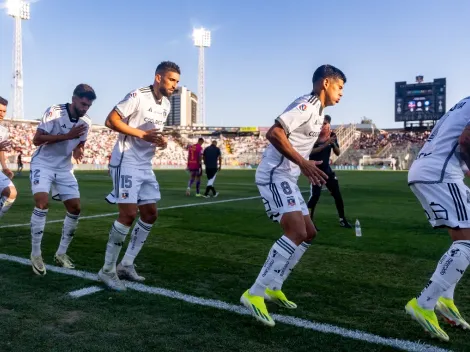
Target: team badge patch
point(125, 195)
point(302, 107)
point(291, 202)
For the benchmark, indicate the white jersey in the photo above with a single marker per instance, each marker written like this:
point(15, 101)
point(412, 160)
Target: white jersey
point(3, 133)
point(139, 109)
point(302, 121)
point(438, 161)
point(58, 156)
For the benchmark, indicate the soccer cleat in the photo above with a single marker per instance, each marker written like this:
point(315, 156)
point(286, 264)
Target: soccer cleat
point(278, 297)
point(127, 272)
point(257, 308)
point(427, 319)
point(38, 265)
point(344, 223)
point(64, 261)
point(111, 280)
point(451, 314)
point(216, 195)
point(188, 191)
point(199, 195)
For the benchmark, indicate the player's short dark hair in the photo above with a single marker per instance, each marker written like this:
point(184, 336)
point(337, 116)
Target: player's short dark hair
point(84, 91)
point(166, 66)
point(328, 118)
point(200, 140)
point(328, 71)
point(3, 101)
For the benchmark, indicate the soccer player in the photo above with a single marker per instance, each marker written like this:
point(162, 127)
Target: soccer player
point(292, 137)
point(60, 135)
point(321, 152)
point(195, 166)
point(19, 161)
point(436, 179)
point(8, 189)
point(213, 161)
point(139, 118)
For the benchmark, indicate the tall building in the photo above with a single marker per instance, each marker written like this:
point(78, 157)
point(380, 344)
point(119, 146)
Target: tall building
point(183, 108)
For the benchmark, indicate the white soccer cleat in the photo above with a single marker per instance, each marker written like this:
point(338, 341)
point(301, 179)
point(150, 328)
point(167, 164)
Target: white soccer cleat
point(127, 272)
point(111, 280)
point(64, 261)
point(38, 265)
point(216, 195)
point(188, 191)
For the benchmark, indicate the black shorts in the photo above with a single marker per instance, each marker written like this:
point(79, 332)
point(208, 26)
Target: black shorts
point(331, 183)
point(210, 172)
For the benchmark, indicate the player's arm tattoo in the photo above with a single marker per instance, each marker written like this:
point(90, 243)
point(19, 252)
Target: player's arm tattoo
point(278, 138)
point(464, 142)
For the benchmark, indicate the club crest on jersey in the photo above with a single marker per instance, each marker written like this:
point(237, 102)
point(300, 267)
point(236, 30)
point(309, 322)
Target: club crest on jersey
point(302, 107)
point(291, 202)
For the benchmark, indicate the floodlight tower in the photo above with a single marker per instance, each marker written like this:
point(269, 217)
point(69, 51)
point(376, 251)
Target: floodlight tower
point(19, 10)
point(202, 39)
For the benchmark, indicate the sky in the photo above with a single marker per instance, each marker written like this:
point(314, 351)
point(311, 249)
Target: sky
point(262, 57)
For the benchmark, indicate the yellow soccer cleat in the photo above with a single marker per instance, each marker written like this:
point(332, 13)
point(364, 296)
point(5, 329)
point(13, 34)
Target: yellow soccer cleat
point(451, 314)
point(64, 261)
point(278, 297)
point(427, 319)
point(257, 308)
point(38, 265)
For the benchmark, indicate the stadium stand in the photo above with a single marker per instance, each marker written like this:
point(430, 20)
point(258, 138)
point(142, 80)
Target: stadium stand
point(361, 145)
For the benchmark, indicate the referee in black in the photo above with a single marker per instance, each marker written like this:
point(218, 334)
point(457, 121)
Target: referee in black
point(212, 158)
point(321, 152)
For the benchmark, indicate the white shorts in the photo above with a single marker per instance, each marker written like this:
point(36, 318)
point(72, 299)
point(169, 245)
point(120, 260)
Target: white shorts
point(282, 197)
point(4, 182)
point(135, 186)
point(445, 204)
point(63, 184)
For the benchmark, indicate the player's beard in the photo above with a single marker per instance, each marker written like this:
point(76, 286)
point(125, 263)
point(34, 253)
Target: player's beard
point(163, 91)
point(78, 113)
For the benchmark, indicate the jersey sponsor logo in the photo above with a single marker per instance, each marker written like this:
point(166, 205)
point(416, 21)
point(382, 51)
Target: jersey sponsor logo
point(150, 110)
point(154, 121)
point(165, 113)
point(314, 134)
point(302, 107)
point(64, 126)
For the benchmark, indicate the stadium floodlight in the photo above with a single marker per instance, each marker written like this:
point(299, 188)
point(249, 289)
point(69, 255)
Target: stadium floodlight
point(202, 39)
point(19, 10)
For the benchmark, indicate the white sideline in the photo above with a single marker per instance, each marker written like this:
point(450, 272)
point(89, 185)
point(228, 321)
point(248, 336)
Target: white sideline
point(85, 291)
point(289, 320)
point(164, 208)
